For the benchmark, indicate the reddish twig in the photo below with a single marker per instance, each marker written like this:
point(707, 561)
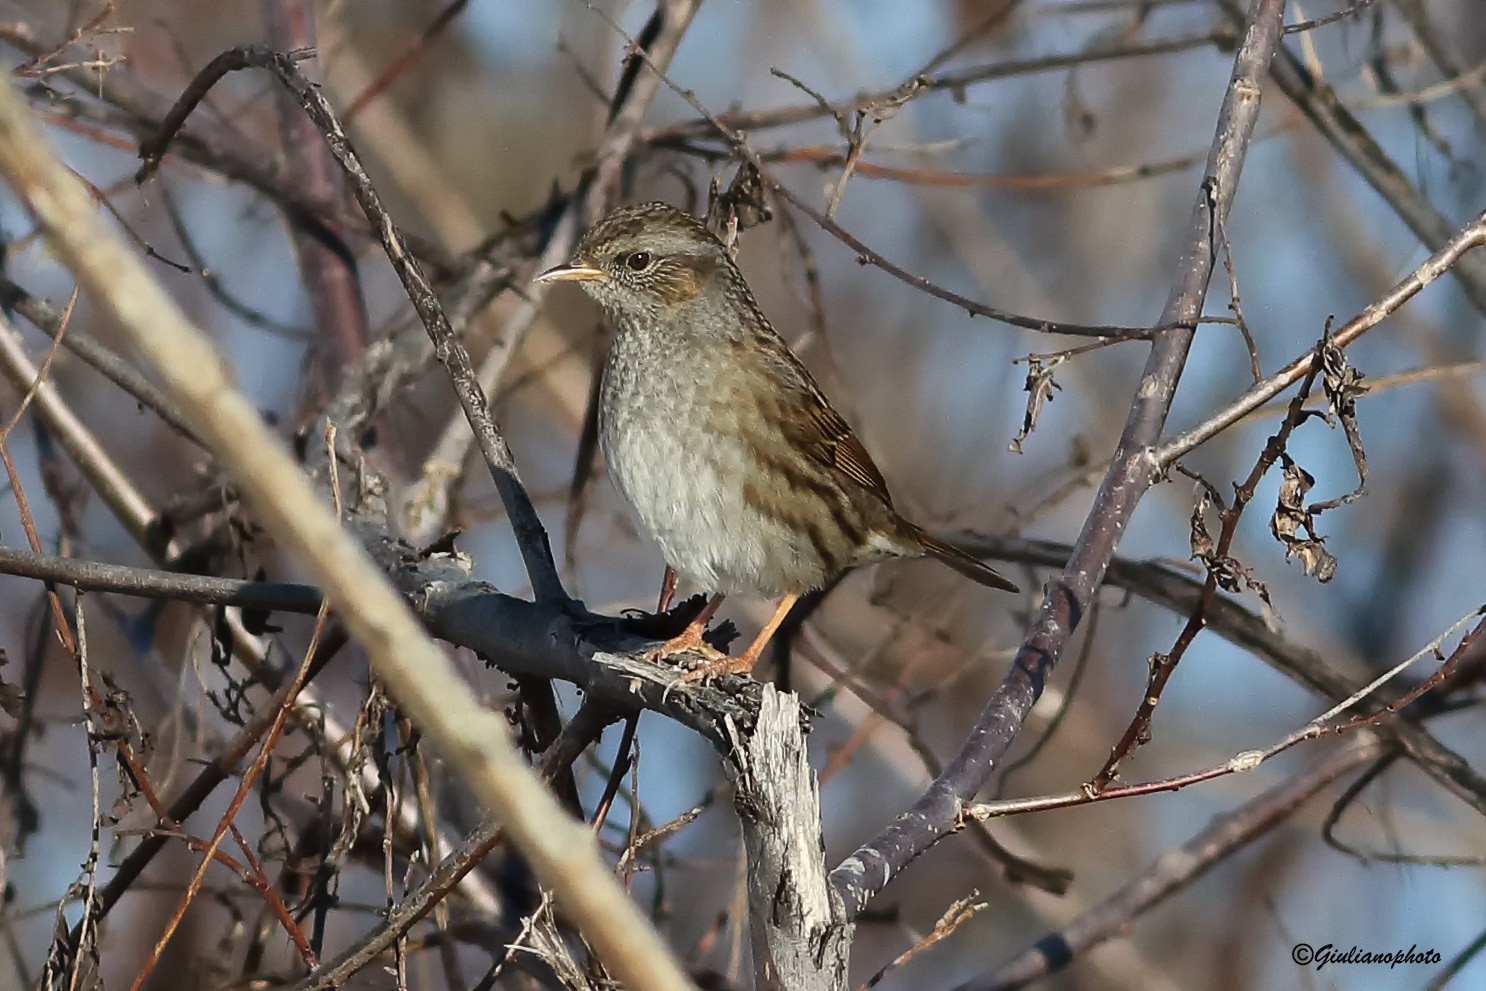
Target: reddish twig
point(958, 913)
point(326, 262)
point(243, 788)
point(46, 365)
point(1175, 871)
point(127, 758)
point(580, 732)
point(195, 794)
point(255, 769)
point(1220, 568)
point(253, 874)
point(616, 774)
point(404, 61)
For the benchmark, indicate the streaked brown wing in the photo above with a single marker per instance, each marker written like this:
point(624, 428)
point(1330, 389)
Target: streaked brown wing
point(815, 428)
point(806, 416)
point(838, 447)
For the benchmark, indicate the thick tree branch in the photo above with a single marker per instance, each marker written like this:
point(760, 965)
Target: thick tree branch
point(94, 576)
point(326, 264)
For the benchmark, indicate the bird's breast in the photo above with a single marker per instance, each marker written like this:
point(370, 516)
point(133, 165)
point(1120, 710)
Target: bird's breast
point(668, 428)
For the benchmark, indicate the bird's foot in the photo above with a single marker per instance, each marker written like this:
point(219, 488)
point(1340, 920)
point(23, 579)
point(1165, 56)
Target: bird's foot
point(688, 641)
point(718, 666)
point(715, 663)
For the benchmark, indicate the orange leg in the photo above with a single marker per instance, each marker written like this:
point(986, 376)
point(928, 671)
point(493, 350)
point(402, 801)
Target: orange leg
point(667, 589)
point(690, 639)
point(744, 662)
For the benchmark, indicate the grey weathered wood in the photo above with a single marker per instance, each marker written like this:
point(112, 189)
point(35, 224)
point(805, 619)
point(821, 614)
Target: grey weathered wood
point(801, 938)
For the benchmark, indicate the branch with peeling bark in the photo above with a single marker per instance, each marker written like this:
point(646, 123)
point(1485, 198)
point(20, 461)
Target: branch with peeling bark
point(801, 936)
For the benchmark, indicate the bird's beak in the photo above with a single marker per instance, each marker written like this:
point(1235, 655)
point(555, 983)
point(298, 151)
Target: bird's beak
point(573, 271)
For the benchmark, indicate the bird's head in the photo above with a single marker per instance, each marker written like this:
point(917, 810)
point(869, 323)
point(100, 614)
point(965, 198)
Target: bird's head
point(644, 261)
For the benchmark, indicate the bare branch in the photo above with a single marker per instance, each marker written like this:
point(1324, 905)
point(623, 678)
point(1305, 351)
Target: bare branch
point(1177, 870)
point(1444, 260)
point(801, 937)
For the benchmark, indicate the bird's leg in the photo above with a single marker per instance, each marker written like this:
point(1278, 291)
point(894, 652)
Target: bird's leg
point(667, 589)
point(690, 639)
point(744, 662)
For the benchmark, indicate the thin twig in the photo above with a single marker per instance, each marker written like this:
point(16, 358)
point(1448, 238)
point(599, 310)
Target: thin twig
point(581, 731)
point(868, 256)
point(248, 778)
point(531, 536)
point(1320, 104)
point(46, 319)
point(1221, 569)
point(1177, 870)
point(1473, 235)
point(951, 82)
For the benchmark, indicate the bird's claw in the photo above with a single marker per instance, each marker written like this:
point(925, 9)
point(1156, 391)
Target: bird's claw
point(688, 642)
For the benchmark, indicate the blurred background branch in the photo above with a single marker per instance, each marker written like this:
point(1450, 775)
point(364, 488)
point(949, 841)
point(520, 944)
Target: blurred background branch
point(923, 167)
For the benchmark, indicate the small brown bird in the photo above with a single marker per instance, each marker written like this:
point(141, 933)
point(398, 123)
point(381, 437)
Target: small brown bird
point(732, 458)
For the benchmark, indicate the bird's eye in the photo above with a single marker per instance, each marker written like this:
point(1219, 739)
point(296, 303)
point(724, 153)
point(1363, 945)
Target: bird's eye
point(639, 261)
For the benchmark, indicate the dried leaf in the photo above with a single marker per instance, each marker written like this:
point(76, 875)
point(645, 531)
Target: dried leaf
point(1340, 381)
point(1227, 571)
point(1262, 590)
point(122, 806)
point(742, 205)
point(1343, 384)
point(1292, 516)
point(1201, 541)
point(1039, 388)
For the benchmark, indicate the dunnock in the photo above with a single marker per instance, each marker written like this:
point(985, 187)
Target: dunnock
point(731, 456)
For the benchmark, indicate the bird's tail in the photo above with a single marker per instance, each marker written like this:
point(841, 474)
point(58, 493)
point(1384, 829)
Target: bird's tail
point(972, 568)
